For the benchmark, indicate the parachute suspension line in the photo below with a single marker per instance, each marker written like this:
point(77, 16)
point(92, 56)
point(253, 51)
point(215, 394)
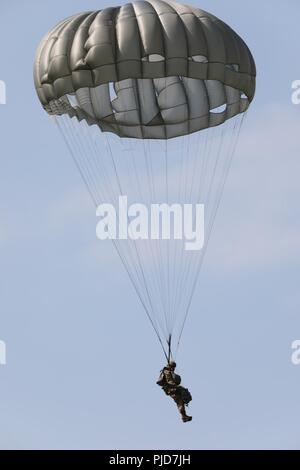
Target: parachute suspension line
point(165, 285)
point(199, 137)
point(186, 257)
point(168, 244)
point(153, 252)
point(192, 263)
point(70, 140)
point(155, 260)
point(137, 179)
point(176, 255)
point(198, 267)
point(157, 247)
point(230, 154)
point(152, 320)
point(134, 244)
point(154, 326)
point(215, 169)
point(128, 251)
point(81, 154)
point(73, 139)
point(114, 163)
point(196, 167)
point(81, 172)
point(156, 273)
point(154, 280)
point(121, 193)
point(235, 139)
point(146, 282)
point(207, 158)
point(228, 161)
point(156, 252)
point(83, 162)
point(162, 242)
point(175, 246)
point(154, 277)
point(180, 198)
point(89, 169)
point(139, 268)
point(142, 282)
point(169, 349)
point(142, 302)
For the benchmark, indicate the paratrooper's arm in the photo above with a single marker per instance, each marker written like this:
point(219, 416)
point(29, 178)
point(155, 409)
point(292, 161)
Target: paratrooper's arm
point(169, 378)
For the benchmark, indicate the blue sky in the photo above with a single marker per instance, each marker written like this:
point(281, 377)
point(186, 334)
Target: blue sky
point(81, 358)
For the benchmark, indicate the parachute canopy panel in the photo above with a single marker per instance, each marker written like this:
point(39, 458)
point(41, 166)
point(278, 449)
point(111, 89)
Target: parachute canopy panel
point(151, 69)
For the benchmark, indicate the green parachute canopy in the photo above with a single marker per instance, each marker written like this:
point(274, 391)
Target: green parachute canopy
point(152, 69)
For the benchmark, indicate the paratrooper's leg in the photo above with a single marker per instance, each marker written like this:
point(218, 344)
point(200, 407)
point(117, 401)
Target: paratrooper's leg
point(181, 407)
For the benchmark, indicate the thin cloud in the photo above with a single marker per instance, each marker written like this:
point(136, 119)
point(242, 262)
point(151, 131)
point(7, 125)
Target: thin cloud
point(260, 225)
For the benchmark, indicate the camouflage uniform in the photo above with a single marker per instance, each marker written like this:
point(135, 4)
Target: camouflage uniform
point(170, 383)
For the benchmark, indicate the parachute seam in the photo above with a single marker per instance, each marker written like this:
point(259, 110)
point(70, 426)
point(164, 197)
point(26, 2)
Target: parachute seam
point(187, 66)
point(165, 61)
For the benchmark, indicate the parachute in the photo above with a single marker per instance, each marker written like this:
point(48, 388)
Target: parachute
point(150, 98)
